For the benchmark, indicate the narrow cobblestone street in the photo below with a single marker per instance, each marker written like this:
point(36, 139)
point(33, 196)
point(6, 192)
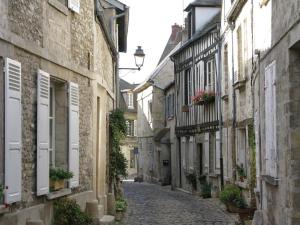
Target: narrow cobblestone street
point(150, 204)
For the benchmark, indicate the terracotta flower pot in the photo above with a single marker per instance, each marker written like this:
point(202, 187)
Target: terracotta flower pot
point(119, 215)
point(57, 184)
point(185, 108)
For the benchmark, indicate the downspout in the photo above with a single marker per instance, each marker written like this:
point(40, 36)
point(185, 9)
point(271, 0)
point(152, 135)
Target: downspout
point(232, 26)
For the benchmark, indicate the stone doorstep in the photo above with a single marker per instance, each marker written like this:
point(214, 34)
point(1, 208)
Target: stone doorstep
point(107, 220)
point(3, 209)
point(60, 193)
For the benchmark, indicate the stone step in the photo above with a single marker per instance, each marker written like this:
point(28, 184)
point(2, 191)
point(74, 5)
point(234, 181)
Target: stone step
point(107, 220)
point(34, 222)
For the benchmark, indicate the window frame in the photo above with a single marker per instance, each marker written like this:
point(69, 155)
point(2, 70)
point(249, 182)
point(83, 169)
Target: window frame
point(130, 103)
point(52, 125)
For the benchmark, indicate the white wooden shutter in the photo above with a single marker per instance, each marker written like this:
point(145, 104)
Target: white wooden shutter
point(206, 152)
point(202, 74)
point(183, 146)
point(74, 5)
point(191, 152)
point(74, 134)
point(270, 120)
point(218, 152)
point(43, 101)
point(135, 128)
point(13, 131)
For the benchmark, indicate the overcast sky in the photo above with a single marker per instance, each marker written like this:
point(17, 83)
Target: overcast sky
point(150, 24)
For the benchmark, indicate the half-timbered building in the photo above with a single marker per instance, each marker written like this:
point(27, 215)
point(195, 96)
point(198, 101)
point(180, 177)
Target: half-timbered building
point(197, 114)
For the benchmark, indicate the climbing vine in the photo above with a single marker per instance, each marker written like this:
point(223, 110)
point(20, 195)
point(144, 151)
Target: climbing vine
point(252, 145)
point(117, 160)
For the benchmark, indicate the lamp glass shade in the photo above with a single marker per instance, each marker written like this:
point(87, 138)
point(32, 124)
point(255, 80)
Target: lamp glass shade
point(139, 56)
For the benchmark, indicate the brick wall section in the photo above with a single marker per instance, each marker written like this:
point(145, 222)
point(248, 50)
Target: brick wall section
point(26, 18)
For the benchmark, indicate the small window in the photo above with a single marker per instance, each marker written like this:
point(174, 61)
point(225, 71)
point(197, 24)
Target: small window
point(240, 55)
point(132, 159)
point(64, 2)
point(187, 87)
point(241, 148)
point(131, 128)
point(130, 100)
point(209, 81)
point(150, 111)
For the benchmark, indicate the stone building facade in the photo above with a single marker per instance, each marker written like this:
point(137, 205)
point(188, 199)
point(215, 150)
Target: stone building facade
point(59, 63)
point(237, 105)
point(276, 110)
point(154, 157)
point(129, 145)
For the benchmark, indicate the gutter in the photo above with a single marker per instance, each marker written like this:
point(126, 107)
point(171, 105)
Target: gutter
point(107, 35)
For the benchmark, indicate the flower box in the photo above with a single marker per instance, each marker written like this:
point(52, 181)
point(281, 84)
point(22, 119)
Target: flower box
point(57, 185)
point(203, 97)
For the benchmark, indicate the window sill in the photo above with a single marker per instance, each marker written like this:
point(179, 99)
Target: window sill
point(243, 185)
point(213, 175)
point(170, 117)
point(270, 180)
point(58, 194)
point(59, 7)
point(225, 97)
point(3, 209)
point(240, 84)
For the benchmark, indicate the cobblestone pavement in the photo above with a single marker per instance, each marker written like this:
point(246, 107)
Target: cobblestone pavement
point(150, 204)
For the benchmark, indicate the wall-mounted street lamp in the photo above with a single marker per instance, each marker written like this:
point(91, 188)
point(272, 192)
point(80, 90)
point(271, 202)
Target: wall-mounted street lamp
point(139, 57)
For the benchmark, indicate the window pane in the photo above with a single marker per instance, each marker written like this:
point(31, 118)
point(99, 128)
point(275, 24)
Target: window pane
point(51, 102)
point(50, 133)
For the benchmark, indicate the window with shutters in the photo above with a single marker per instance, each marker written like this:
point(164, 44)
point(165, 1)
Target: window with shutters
point(58, 125)
point(226, 70)
point(240, 55)
point(270, 120)
point(241, 148)
point(130, 100)
point(209, 78)
point(170, 106)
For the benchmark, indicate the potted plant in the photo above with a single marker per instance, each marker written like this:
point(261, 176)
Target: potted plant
point(203, 97)
point(241, 172)
point(121, 206)
point(185, 108)
point(206, 189)
point(192, 179)
point(232, 197)
point(58, 177)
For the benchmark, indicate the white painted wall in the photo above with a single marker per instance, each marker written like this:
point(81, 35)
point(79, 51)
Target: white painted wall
point(203, 15)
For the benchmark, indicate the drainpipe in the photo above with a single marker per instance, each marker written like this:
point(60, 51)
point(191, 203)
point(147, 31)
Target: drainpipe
point(219, 92)
point(232, 26)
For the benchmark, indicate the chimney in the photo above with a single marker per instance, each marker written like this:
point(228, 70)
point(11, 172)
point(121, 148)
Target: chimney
point(176, 29)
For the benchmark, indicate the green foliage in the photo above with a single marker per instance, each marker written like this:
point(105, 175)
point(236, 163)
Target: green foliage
point(241, 171)
point(68, 212)
point(206, 189)
point(233, 195)
point(251, 142)
point(117, 160)
point(1, 190)
point(60, 174)
point(192, 179)
point(121, 204)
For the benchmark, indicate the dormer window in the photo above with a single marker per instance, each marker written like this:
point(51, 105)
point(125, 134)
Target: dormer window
point(130, 100)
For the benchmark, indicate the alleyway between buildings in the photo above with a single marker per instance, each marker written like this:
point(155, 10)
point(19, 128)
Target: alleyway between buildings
point(150, 204)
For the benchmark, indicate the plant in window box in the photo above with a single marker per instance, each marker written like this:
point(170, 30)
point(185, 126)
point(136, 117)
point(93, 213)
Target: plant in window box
point(1, 194)
point(58, 177)
point(203, 97)
point(241, 172)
